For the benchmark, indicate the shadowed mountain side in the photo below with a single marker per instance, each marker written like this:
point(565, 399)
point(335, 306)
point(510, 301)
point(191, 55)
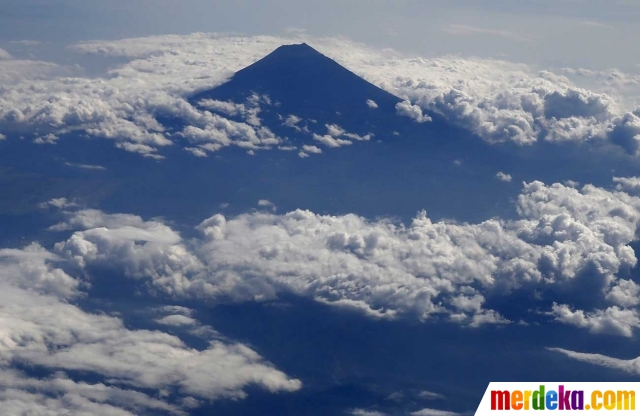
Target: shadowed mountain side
point(310, 85)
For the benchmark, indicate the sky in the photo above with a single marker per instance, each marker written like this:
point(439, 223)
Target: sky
point(597, 34)
point(339, 207)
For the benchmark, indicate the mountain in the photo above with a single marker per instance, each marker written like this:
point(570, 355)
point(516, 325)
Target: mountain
point(310, 85)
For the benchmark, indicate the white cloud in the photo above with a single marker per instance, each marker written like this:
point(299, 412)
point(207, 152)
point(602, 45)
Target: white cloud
point(5, 55)
point(311, 149)
point(39, 327)
point(372, 104)
point(293, 121)
point(434, 412)
point(429, 395)
point(176, 320)
point(21, 395)
point(497, 100)
point(265, 203)
point(414, 112)
point(626, 132)
point(48, 139)
point(628, 366)
point(58, 203)
point(629, 185)
point(334, 130)
point(248, 111)
point(426, 269)
point(363, 412)
point(504, 177)
point(612, 320)
point(330, 141)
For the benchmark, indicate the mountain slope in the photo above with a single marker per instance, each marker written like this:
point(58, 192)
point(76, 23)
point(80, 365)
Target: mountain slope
point(310, 85)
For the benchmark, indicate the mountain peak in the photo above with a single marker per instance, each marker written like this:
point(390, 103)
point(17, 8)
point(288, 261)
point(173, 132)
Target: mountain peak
point(306, 83)
point(292, 55)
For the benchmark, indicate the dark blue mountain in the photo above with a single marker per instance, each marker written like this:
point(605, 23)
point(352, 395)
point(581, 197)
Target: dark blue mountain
point(310, 85)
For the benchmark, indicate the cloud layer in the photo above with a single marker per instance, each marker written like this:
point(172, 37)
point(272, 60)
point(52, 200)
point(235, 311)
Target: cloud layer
point(425, 269)
point(138, 369)
point(501, 102)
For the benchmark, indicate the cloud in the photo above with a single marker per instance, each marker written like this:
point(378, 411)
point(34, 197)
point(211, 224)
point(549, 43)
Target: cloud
point(176, 320)
point(292, 121)
point(626, 133)
point(372, 104)
point(265, 203)
point(628, 366)
point(4, 55)
point(335, 131)
point(504, 177)
point(629, 185)
point(414, 112)
point(58, 203)
point(496, 100)
point(330, 141)
point(43, 329)
point(85, 166)
point(311, 149)
point(248, 111)
point(425, 394)
point(58, 394)
point(434, 412)
point(612, 320)
point(425, 269)
point(48, 139)
point(363, 412)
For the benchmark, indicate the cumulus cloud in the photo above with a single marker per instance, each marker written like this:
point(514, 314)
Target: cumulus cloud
point(412, 111)
point(372, 104)
point(628, 185)
point(626, 132)
point(503, 177)
point(292, 121)
point(426, 269)
point(628, 366)
point(42, 328)
point(47, 139)
point(311, 149)
point(330, 141)
point(613, 320)
point(265, 203)
point(248, 111)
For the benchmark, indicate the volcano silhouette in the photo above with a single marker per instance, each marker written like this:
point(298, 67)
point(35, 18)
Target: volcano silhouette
point(304, 82)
